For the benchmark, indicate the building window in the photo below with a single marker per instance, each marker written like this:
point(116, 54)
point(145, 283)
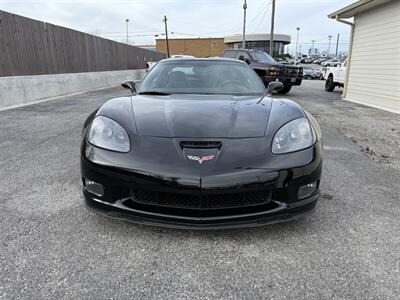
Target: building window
point(263, 46)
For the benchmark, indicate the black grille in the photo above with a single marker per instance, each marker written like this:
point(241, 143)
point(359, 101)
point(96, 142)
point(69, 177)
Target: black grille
point(292, 71)
point(215, 201)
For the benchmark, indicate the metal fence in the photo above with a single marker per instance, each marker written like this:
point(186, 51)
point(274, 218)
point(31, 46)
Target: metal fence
point(31, 47)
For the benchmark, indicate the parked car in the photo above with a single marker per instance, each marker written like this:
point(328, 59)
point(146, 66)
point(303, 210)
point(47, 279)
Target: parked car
point(318, 74)
point(335, 76)
point(321, 59)
point(267, 68)
point(201, 144)
point(182, 56)
point(331, 62)
point(307, 72)
point(311, 73)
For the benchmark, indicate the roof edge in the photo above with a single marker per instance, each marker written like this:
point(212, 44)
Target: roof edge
point(351, 10)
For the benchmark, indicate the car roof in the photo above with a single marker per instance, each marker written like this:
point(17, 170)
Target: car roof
point(244, 49)
point(215, 59)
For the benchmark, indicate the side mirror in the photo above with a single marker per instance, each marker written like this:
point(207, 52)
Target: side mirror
point(129, 84)
point(241, 57)
point(274, 87)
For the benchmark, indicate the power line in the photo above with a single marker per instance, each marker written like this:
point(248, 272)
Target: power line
point(264, 14)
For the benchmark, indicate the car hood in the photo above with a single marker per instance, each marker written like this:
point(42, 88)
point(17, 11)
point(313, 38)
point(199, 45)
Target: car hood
point(201, 116)
point(262, 64)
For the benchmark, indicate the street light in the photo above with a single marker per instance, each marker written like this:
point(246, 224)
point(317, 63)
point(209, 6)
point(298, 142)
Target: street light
point(297, 42)
point(329, 45)
point(127, 38)
point(312, 51)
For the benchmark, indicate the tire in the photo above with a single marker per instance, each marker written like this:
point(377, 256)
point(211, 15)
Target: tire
point(328, 65)
point(329, 84)
point(285, 89)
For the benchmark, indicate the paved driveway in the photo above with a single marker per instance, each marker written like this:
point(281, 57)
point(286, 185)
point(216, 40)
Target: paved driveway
point(52, 247)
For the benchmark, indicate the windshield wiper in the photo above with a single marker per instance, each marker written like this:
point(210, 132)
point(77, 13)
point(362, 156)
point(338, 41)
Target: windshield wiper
point(157, 93)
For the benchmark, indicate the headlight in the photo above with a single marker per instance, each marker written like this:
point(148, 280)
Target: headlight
point(108, 134)
point(293, 136)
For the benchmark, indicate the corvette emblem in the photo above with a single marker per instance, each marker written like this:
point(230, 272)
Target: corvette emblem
point(200, 159)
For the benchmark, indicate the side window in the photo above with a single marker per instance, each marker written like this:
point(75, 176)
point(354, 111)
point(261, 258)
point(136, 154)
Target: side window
point(230, 54)
point(245, 54)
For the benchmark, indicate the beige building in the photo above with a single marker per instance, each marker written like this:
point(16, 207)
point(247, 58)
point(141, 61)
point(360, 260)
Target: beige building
point(199, 47)
point(373, 69)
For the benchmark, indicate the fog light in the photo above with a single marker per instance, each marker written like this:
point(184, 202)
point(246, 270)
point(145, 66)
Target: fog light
point(94, 187)
point(307, 190)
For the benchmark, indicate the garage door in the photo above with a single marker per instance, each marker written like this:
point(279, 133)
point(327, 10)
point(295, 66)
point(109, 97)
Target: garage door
point(374, 75)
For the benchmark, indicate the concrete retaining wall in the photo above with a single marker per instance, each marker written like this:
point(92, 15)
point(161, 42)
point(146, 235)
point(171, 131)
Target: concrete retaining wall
point(20, 90)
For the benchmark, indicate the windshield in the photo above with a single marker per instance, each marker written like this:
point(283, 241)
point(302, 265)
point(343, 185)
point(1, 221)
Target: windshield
point(261, 56)
point(202, 77)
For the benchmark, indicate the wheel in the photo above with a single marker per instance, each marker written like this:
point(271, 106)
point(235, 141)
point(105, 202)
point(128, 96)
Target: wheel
point(285, 89)
point(328, 65)
point(329, 84)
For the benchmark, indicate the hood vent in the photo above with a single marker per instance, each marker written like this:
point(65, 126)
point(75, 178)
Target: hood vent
point(201, 144)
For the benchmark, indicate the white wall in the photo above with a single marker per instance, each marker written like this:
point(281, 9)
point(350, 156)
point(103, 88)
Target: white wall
point(374, 74)
point(26, 89)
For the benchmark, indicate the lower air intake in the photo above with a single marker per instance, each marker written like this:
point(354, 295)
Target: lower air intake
point(215, 201)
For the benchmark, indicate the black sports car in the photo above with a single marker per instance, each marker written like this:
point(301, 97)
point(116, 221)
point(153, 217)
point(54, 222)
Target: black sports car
point(201, 144)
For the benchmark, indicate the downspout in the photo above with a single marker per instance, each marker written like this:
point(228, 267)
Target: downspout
point(350, 50)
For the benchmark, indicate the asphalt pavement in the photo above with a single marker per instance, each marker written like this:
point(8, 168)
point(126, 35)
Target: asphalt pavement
point(53, 247)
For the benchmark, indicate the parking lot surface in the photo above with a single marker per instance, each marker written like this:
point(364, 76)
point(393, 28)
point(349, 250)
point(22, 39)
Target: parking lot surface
point(52, 247)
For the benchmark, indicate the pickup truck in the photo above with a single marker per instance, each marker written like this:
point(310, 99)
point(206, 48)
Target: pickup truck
point(335, 76)
point(267, 68)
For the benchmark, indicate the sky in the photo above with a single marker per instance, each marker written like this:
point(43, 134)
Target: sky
point(190, 18)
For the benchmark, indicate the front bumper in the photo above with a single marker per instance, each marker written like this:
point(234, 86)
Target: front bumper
point(282, 187)
point(287, 81)
point(277, 212)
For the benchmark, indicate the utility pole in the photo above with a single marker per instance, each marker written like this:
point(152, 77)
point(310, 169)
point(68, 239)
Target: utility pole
point(313, 42)
point(337, 44)
point(244, 24)
point(297, 41)
point(166, 35)
point(271, 39)
point(329, 45)
point(127, 37)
